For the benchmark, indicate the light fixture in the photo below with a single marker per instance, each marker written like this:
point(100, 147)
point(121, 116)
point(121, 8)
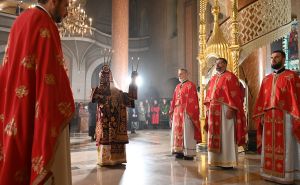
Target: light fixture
point(76, 23)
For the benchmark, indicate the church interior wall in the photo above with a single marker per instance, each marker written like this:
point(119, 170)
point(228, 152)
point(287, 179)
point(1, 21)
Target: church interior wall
point(2, 50)
point(101, 15)
point(1, 57)
point(68, 66)
point(191, 41)
point(161, 47)
point(252, 72)
point(78, 80)
point(3, 36)
point(169, 49)
point(244, 3)
point(179, 63)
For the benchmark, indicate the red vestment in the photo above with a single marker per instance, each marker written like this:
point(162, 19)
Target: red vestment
point(279, 94)
point(36, 102)
point(224, 89)
point(185, 99)
point(155, 114)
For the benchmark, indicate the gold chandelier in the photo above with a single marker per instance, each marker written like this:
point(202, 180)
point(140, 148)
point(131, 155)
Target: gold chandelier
point(76, 23)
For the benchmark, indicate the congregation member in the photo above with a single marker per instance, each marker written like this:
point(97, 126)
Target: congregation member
point(155, 110)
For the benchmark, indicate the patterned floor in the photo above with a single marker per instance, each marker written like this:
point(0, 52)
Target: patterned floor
point(149, 163)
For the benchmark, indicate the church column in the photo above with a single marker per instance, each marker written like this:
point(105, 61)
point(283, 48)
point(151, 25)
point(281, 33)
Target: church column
point(120, 24)
point(190, 30)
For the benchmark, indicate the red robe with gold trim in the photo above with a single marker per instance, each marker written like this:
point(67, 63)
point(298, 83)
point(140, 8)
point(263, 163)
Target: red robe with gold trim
point(36, 102)
point(185, 98)
point(224, 89)
point(279, 94)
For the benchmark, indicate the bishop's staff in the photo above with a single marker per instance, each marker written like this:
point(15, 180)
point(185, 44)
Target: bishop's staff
point(132, 91)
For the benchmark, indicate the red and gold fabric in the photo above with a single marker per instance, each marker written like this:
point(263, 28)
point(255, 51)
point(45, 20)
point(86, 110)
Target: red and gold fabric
point(185, 101)
point(36, 99)
point(279, 94)
point(224, 89)
point(111, 125)
point(155, 114)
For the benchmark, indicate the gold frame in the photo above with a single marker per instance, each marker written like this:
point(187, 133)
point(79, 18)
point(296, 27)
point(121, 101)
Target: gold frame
point(217, 46)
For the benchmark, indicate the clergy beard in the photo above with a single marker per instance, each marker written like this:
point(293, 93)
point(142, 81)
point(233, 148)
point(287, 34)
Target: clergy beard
point(218, 69)
point(277, 65)
point(57, 18)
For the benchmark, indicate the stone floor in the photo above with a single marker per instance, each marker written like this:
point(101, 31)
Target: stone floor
point(149, 163)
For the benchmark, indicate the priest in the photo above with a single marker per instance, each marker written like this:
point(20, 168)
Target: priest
point(184, 115)
point(36, 101)
point(225, 123)
point(277, 116)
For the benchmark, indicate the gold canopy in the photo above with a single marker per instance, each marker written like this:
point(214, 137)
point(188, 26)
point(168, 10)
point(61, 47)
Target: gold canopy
point(217, 46)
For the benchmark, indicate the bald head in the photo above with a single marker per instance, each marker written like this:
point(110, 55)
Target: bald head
point(221, 65)
point(182, 74)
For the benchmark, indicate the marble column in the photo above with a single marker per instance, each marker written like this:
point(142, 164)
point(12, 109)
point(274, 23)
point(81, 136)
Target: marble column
point(120, 24)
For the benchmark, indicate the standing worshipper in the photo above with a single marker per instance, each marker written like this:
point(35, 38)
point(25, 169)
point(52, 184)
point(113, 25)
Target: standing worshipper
point(111, 126)
point(155, 109)
point(164, 118)
point(141, 115)
point(148, 113)
point(92, 108)
point(277, 116)
point(36, 101)
point(226, 123)
point(184, 112)
point(75, 121)
point(133, 120)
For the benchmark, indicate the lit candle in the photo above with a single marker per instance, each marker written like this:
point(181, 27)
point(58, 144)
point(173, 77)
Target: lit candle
point(90, 19)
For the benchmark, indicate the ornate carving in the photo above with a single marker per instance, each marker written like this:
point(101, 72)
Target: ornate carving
point(202, 47)
point(234, 43)
point(257, 21)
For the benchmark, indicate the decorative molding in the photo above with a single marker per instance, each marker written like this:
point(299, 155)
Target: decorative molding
point(261, 22)
point(263, 40)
